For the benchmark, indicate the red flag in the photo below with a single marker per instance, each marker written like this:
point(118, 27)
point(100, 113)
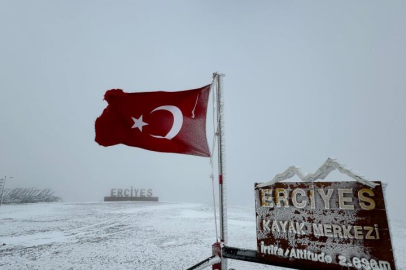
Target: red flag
point(160, 121)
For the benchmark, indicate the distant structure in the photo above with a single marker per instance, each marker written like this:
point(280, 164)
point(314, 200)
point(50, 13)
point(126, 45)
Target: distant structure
point(29, 195)
point(120, 195)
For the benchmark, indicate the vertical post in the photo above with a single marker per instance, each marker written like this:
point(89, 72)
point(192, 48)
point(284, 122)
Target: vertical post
point(221, 168)
point(2, 190)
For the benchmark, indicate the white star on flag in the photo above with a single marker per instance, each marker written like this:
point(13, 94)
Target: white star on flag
point(138, 123)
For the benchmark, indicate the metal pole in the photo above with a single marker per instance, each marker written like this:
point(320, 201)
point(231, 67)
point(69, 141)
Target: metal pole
point(205, 263)
point(2, 191)
point(221, 160)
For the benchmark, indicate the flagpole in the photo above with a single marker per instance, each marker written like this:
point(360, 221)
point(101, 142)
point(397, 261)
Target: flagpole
point(221, 166)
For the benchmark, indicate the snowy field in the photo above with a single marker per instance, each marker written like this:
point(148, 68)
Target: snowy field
point(127, 236)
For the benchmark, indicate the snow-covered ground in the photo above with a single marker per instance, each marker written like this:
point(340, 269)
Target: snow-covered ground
point(142, 235)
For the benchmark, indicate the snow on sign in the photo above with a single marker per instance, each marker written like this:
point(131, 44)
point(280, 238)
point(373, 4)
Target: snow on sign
point(324, 225)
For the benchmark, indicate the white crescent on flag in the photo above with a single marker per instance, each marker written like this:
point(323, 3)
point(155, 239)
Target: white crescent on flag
point(177, 121)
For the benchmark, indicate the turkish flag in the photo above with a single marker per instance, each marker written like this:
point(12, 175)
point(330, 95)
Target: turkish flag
point(160, 121)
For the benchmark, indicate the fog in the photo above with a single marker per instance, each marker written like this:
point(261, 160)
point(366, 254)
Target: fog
point(304, 81)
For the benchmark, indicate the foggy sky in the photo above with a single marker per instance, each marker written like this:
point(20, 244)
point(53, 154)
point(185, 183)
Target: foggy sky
point(305, 80)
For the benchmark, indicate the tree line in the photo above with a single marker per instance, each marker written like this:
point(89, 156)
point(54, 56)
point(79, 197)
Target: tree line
point(29, 195)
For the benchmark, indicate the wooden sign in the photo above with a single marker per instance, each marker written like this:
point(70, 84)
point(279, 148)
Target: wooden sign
point(324, 225)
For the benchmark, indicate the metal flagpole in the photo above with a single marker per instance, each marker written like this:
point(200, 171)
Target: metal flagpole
point(217, 261)
point(221, 164)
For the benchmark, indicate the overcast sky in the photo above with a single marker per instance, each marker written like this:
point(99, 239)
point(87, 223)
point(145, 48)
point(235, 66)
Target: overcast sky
point(305, 80)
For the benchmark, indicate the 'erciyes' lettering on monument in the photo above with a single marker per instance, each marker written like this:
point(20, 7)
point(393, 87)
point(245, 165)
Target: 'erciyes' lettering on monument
point(131, 192)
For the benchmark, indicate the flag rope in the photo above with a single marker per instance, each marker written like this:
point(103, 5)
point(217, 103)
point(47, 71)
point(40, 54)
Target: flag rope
point(193, 111)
